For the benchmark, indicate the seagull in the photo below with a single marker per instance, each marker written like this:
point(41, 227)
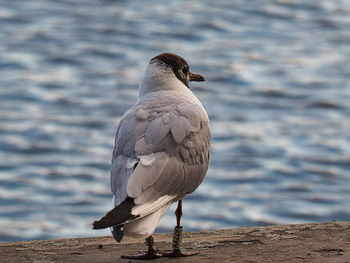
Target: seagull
point(161, 154)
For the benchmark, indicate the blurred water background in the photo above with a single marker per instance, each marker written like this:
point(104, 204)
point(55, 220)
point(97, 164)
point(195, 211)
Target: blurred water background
point(277, 93)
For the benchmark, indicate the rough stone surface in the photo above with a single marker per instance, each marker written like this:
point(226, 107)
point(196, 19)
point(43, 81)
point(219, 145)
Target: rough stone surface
point(321, 242)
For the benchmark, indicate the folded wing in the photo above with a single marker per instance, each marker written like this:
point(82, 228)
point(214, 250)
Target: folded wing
point(161, 154)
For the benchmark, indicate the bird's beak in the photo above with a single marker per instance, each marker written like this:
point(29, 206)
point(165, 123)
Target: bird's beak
point(196, 77)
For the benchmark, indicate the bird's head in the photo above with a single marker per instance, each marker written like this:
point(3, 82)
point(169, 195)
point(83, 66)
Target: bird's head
point(179, 66)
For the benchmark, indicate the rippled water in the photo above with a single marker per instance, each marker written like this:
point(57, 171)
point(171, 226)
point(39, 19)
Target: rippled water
point(277, 93)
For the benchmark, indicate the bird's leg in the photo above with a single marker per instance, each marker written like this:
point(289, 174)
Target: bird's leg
point(150, 254)
point(178, 213)
point(177, 237)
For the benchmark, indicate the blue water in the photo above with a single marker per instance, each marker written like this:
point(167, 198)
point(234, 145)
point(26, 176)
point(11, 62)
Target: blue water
point(277, 93)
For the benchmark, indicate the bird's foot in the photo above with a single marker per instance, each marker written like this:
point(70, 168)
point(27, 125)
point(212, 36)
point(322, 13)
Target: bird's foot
point(178, 253)
point(150, 254)
point(145, 255)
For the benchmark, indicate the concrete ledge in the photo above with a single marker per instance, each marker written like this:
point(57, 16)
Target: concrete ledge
point(321, 242)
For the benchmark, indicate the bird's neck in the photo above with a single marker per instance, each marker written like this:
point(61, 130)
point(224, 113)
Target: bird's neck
point(158, 77)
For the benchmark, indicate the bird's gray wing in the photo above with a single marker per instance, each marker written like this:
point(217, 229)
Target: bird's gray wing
point(124, 158)
point(137, 123)
point(173, 152)
point(161, 153)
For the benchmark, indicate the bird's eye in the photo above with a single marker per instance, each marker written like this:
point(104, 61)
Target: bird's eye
point(185, 69)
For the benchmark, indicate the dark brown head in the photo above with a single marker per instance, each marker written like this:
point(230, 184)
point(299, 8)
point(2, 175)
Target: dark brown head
point(179, 66)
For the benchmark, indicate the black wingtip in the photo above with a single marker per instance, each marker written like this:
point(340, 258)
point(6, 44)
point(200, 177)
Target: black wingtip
point(117, 216)
point(95, 225)
point(118, 233)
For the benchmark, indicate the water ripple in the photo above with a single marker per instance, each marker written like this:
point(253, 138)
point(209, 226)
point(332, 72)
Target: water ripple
point(277, 94)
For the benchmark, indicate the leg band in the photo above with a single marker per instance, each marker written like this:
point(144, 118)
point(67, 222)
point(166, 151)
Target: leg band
point(177, 237)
